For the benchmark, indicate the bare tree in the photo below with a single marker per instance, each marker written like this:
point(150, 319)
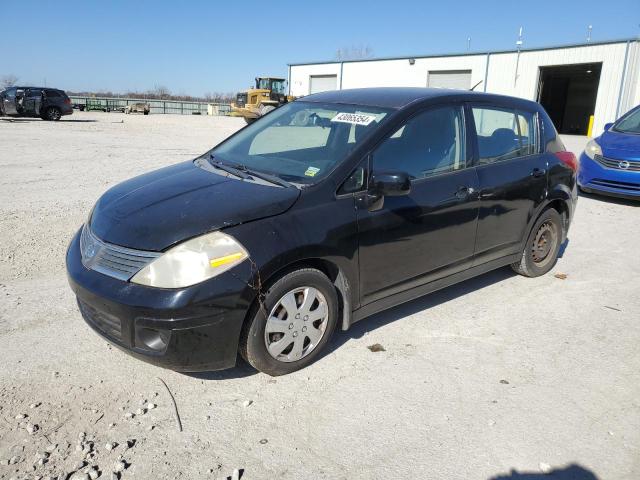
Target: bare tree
point(161, 92)
point(355, 52)
point(8, 80)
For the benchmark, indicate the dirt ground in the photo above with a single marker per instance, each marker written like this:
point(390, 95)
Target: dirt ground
point(498, 376)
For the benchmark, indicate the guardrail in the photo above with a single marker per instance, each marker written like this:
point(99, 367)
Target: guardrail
point(157, 106)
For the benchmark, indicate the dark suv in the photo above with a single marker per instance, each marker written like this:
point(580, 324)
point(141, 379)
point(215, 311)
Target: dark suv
point(319, 214)
point(46, 103)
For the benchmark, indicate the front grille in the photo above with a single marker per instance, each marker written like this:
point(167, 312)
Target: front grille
point(241, 100)
point(627, 165)
point(107, 324)
point(112, 260)
point(631, 187)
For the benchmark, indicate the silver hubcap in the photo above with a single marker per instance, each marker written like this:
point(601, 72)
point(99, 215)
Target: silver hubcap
point(296, 324)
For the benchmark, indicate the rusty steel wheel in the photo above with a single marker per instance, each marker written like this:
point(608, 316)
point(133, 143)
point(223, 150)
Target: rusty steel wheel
point(544, 243)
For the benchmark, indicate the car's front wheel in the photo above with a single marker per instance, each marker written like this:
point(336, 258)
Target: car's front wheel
point(542, 247)
point(52, 113)
point(289, 328)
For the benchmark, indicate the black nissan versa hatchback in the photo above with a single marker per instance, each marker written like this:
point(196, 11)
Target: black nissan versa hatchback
point(324, 211)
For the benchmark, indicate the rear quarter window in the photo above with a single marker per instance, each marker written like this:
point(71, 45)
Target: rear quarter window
point(54, 93)
point(552, 142)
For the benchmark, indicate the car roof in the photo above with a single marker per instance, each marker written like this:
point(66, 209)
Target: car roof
point(401, 97)
point(36, 88)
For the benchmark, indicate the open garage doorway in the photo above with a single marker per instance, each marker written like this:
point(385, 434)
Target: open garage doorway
point(568, 94)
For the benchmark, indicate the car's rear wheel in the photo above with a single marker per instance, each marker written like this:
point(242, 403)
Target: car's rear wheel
point(52, 113)
point(543, 244)
point(289, 328)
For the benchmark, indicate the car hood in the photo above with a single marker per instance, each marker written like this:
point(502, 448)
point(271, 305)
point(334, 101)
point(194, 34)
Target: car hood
point(163, 207)
point(623, 146)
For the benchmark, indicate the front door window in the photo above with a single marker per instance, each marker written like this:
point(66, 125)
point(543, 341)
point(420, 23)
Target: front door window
point(430, 143)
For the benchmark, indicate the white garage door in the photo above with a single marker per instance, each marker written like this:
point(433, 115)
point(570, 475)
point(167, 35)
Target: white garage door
point(322, 83)
point(458, 79)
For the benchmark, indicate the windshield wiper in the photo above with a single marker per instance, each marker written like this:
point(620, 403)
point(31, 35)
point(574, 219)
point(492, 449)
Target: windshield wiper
point(266, 176)
point(238, 172)
point(245, 173)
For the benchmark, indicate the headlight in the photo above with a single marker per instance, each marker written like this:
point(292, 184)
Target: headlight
point(592, 149)
point(192, 262)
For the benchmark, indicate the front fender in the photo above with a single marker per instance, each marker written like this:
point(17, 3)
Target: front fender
point(318, 232)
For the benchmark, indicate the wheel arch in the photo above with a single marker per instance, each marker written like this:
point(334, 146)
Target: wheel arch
point(558, 198)
point(330, 269)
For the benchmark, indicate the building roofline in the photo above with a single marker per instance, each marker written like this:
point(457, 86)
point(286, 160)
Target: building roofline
point(471, 54)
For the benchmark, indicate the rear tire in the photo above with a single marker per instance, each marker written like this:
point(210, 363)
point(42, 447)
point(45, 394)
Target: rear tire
point(543, 244)
point(53, 114)
point(289, 330)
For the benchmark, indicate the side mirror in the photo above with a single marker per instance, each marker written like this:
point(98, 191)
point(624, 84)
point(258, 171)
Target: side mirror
point(607, 126)
point(391, 184)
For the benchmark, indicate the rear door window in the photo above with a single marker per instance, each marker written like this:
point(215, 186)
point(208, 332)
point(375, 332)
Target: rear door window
point(503, 133)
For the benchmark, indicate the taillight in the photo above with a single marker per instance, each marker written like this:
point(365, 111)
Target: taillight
point(569, 159)
point(67, 101)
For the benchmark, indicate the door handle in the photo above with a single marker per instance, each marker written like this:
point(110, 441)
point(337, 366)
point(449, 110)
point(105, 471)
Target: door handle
point(538, 172)
point(464, 192)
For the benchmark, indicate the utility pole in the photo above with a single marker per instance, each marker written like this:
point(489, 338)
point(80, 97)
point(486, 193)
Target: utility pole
point(589, 28)
point(468, 44)
point(518, 46)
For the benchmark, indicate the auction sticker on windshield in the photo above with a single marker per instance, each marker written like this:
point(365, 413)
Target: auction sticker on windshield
point(354, 118)
point(311, 171)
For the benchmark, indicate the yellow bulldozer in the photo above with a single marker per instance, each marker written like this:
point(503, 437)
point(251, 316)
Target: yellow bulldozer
point(269, 93)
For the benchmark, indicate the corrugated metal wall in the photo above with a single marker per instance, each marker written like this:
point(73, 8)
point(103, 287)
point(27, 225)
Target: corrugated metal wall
point(501, 78)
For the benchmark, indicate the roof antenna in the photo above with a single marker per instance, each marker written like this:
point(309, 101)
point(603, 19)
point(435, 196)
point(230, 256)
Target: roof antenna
point(474, 87)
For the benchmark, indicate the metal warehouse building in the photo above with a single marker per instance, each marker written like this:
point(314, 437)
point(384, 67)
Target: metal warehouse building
point(573, 82)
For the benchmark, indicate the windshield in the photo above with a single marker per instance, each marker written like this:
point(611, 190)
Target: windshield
point(301, 142)
point(276, 86)
point(629, 123)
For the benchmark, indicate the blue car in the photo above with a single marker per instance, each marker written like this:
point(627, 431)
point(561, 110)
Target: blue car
point(610, 164)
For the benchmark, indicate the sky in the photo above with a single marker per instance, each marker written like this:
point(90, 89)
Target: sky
point(195, 47)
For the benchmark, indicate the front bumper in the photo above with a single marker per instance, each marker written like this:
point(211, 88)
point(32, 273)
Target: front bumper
point(190, 329)
point(595, 178)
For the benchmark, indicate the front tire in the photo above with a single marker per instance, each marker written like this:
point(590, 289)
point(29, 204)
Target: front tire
point(53, 114)
point(543, 244)
point(296, 319)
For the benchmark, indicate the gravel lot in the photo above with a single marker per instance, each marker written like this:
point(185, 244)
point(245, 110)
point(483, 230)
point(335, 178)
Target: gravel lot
point(497, 374)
